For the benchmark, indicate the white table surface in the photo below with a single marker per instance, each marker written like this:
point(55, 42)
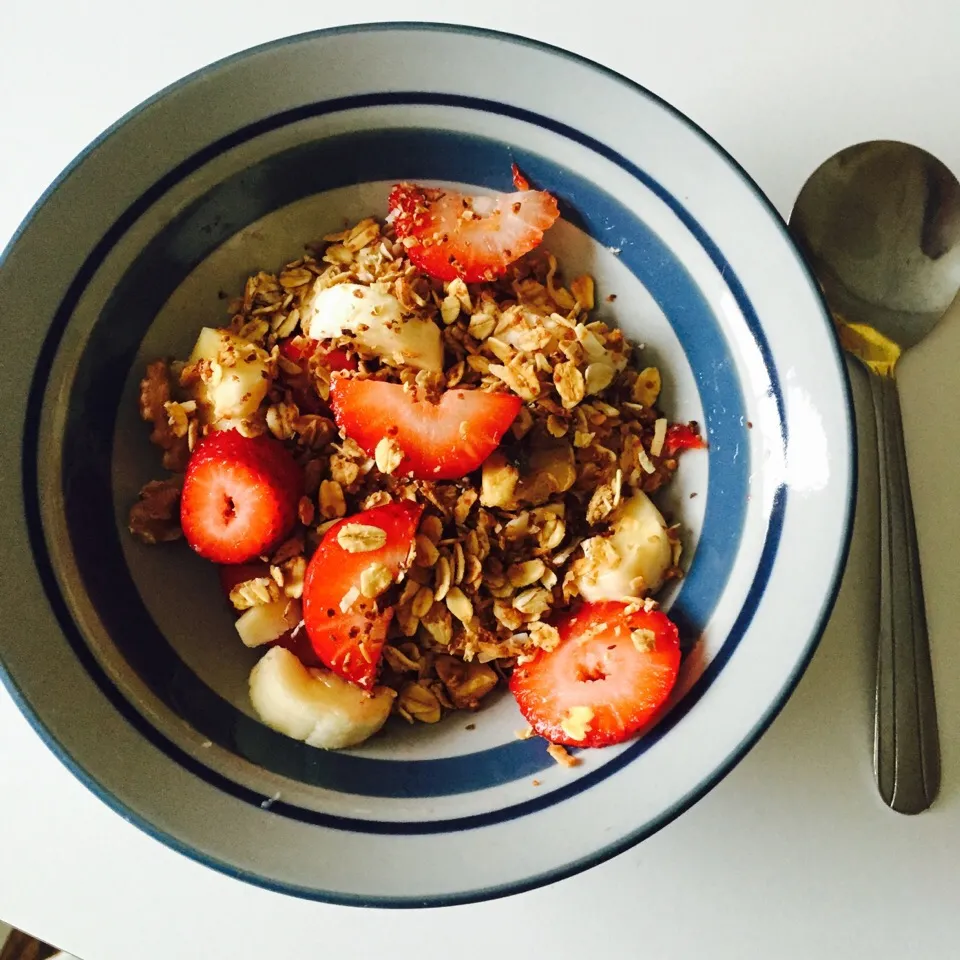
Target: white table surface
point(793, 855)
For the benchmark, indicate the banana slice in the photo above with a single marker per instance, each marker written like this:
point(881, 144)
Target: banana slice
point(641, 554)
point(374, 319)
point(315, 706)
point(268, 621)
point(238, 379)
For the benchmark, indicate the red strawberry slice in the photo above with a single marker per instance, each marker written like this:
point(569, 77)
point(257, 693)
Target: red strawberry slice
point(300, 349)
point(683, 436)
point(608, 676)
point(449, 235)
point(239, 497)
point(440, 441)
point(350, 641)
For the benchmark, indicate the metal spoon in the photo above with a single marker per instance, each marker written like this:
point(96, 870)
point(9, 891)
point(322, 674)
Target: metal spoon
point(879, 224)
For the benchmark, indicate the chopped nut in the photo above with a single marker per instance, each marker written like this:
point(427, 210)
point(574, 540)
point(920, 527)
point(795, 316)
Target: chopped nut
point(361, 537)
point(402, 660)
point(459, 605)
point(643, 639)
point(155, 517)
point(544, 635)
point(561, 756)
point(254, 592)
point(557, 427)
point(374, 580)
point(466, 683)
point(332, 503)
point(498, 481)
point(388, 455)
point(525, 733)
point(604, 500)
point(282, 420)
point(292, 572)
point(576, 722)
point(305, 511)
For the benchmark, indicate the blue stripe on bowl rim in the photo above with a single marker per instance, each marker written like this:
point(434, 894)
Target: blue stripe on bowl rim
point(28, 470)
point(244, 198)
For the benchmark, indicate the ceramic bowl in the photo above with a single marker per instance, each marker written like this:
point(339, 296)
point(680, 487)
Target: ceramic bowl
point(120, 655)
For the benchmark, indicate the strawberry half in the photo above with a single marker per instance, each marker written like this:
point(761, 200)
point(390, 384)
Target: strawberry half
point(346, 629)
point(239, 497)
point(449, 235)
point(440, 441)
point(608, 676)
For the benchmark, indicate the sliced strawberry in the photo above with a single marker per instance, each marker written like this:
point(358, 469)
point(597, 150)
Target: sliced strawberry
point(300, 349)
point(449, 235)
point(239, 497)
point(519, 180)
point(683, 436)
point(349, 641)
point(440, 441)
point(608, 676)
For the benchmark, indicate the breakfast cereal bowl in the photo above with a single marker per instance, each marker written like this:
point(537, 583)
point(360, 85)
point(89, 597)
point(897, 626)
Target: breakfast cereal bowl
point(124, 655)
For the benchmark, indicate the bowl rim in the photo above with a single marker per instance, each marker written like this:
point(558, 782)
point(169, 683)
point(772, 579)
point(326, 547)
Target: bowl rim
point(765, 720)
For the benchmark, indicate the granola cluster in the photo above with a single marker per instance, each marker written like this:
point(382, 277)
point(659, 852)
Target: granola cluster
point(498, 553)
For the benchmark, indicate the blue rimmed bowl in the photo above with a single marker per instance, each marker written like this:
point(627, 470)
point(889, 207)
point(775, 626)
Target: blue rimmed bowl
point(118, 654)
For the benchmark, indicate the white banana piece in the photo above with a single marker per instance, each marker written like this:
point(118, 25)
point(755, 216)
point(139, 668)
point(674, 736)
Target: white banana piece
point(238, 380)
point(268, 621)
point(313, 705)
point(374, 320)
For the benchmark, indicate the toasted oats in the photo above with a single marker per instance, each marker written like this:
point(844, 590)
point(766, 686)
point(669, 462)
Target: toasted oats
point(646, 387)
point(254, 592)
point(402, 660)
point(582, 440)
point(442, 577)
point(437, 622)
point(292, 573)
point(459, 563)
point(561, 756)
point(432, 528)
point(457, 288)
point(643, 639)
point(455, 374)
point(582, 290)
point(552, 533)
point(332, 503)
point(388, 455)
point(533, 602)
point(422, 602)
point(427, 553)
point(374, 580)
point(569, 383)
point(526, 573)
point(459, 605)
point(417, 702)
point(450, 309)
point(556, 426)
point(597, 377)
point(361, 537)
point(576, 722)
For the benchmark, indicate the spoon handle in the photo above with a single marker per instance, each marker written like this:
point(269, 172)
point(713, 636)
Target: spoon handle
point(906, 747)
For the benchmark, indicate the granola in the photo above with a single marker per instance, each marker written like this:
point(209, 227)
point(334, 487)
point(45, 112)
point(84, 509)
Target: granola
point(500, 552)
